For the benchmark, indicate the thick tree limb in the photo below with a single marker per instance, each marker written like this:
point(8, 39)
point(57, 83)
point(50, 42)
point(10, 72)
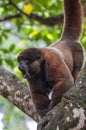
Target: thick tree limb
point(17, 93)
point(69, 114)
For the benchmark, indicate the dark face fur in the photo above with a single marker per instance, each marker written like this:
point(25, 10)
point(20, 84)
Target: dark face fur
point(29, 62)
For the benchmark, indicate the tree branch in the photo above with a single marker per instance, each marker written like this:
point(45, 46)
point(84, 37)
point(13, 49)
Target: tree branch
point(17, 93)
point(50, 21)
point(70, 113)
point(9, 17)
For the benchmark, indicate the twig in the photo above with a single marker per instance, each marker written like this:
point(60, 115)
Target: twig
point(9, 17)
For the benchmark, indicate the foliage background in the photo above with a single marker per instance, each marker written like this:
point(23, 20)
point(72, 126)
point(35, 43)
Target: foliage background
point(21, 26)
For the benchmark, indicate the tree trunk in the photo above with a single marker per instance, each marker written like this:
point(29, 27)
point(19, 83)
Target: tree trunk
point(69, 114)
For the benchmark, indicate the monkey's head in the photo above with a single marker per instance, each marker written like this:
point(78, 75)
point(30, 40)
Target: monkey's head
point(29, 62)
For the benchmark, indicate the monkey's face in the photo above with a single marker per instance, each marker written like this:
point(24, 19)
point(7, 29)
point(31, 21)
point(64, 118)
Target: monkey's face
point(29, 62)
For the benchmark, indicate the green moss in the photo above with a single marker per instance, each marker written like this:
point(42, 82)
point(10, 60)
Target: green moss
point(69, 125)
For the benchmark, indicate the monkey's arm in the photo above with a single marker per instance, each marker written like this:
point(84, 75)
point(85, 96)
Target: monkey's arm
point(39, 92)
point(59, 74)
point(62, 85)
point(41, 102)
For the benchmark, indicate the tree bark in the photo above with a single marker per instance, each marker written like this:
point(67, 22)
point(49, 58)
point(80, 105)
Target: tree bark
point(17, 93)
point(69, 114)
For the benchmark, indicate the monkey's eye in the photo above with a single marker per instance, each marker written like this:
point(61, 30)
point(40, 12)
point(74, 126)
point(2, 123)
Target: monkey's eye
point(27, 61)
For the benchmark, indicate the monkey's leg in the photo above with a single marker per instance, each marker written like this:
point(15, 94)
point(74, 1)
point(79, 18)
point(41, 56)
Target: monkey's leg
point(62, 86)
point(41, 102)
point(78, 63)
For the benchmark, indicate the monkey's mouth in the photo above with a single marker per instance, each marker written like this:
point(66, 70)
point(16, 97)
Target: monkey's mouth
point(26, 74)
point(24, 69)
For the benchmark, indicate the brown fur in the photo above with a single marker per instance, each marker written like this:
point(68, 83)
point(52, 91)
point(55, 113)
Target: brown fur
point(72, 19)
point(57, 66)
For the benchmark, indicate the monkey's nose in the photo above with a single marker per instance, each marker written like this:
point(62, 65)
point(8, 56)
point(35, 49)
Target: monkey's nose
point(21, 66)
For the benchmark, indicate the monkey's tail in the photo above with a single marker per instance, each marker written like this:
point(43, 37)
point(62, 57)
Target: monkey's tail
point(73, 14)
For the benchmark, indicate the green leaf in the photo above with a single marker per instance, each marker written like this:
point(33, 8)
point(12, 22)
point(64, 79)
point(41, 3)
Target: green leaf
point(4, 50)
point(0, 61)
point(0, 40)
point(4, 34)
point(12, 47)
point(9, 62)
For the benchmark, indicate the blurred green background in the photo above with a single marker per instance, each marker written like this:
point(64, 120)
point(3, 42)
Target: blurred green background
point(17, 32)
